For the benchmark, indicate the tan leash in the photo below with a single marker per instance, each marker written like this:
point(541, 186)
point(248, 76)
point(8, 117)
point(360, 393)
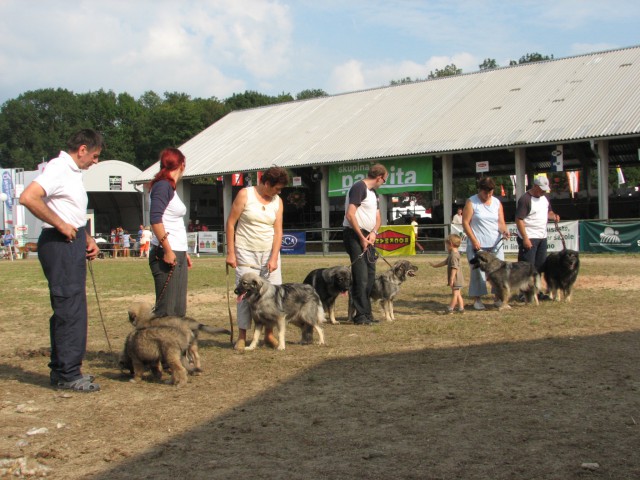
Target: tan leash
point(564, 245)
point(95, 289)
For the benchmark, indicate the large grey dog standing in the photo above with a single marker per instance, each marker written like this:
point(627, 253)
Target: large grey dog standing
point(277, 305)
point(506, 277)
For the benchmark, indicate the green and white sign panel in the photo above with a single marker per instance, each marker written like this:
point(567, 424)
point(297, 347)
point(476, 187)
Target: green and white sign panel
point(405, 175)
point(609, 237)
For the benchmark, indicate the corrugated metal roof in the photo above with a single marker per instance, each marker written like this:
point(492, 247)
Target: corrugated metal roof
point(564, 100)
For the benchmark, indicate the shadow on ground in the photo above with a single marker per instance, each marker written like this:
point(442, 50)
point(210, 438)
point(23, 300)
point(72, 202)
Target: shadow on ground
point(531, 410)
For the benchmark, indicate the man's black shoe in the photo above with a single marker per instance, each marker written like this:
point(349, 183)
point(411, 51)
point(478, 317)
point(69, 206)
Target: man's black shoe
point(361, 320)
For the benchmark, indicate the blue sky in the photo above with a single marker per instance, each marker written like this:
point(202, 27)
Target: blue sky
point(215, 48)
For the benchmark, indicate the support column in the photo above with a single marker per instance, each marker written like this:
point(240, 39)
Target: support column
point(521, 170)
point(447, 188)
point(324, 208)
point(227, 200)
point(603, 179)
point(384, 210)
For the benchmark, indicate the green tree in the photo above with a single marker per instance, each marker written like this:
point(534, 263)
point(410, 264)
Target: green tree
point(402, 81)
point(315, 93)
point(488, 64)
point(252, 99)
point(531, 57)
point(447, 71)
point(36, 125)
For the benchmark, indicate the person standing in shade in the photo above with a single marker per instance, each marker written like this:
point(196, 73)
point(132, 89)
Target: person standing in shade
point(457, 218)
point(254, 237)
point(58, 198)
point(533, 212)
point(168, 257)
point(483, 223)
point(361, 223)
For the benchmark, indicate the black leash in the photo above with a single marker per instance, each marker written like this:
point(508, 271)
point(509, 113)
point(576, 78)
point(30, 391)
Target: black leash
point(93, 280)
point(166, 283)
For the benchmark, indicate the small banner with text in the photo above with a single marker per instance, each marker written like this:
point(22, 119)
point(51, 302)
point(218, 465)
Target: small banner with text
point(396, 240)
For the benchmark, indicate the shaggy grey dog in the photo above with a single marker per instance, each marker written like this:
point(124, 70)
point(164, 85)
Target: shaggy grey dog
point(506, 277)
point(387, 285)
point(277, 305)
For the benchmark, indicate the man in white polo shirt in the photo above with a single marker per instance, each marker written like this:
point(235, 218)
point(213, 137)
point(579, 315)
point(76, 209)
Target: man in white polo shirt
point(58, 198)
point(533, 211)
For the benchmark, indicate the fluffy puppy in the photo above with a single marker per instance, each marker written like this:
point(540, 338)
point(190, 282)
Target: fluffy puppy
point(277, 305)
point(560, 271)
point(151, 347)
point(141, 316)
point(506, 277)
point(329, 283)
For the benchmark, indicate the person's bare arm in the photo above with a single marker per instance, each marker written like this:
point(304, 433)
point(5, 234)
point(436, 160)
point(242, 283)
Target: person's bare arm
point(277, 240)
point(467, 214)
point(33, 198)
point(236, 210)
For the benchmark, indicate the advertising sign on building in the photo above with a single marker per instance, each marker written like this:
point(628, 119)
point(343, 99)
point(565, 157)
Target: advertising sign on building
point(396, 240)
point(115, 182)
point(293, 243)
point(207, 242)
point(406, 175)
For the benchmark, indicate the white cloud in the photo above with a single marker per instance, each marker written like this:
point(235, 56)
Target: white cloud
point(202, 48)
point(357, 75)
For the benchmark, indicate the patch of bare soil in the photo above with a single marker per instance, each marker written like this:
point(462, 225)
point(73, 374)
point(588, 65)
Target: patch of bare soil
point(532, 393)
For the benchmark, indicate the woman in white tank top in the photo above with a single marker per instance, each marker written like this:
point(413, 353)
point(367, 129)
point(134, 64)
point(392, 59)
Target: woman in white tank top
point(254, 236)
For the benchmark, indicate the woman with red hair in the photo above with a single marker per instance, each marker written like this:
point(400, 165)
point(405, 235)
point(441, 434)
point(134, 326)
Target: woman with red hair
point(168, 257)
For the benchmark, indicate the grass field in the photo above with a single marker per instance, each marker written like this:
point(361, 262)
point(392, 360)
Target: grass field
point(526, 393)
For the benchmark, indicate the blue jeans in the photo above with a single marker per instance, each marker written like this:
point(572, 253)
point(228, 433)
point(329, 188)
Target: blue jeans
point(363, 273)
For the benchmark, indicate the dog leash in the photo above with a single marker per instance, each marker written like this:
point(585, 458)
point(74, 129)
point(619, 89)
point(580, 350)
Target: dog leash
point(95, 289)
point(164, 287)
point(564, 245)
point(229, 307)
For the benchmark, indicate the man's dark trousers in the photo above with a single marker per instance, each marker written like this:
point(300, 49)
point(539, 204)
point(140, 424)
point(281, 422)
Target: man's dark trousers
point(363, 274)
point(64, 266)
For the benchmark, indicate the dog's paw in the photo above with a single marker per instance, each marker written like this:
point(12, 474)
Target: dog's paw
point(280, 347)
point(334, 322)
point(249, 347)
point(504, 306)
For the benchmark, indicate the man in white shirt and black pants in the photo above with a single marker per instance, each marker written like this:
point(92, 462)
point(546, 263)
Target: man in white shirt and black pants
point(58, 198)
point(533, 212)
point(361, 223)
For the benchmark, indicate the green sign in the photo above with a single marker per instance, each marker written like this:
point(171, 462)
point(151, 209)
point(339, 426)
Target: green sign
point(405, 175)
point(609, 237)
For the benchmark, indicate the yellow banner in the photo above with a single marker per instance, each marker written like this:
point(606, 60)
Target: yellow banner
point(396, 240)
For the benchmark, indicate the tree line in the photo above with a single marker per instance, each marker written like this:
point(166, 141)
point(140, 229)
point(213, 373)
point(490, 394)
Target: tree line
point(34, 125)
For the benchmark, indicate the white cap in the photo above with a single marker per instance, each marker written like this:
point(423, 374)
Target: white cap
point(543, 183)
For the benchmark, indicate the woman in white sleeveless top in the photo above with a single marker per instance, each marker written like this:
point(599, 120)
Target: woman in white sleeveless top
point(483, 223)
point(254, 237)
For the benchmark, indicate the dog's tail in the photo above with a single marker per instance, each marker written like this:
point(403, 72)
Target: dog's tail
point(213, 330)
point(537, 282)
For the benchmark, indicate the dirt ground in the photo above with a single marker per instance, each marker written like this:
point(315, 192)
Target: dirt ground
point(551, 392)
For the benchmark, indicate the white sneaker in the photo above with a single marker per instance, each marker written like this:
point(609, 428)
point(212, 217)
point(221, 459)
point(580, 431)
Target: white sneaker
point(478, 305)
